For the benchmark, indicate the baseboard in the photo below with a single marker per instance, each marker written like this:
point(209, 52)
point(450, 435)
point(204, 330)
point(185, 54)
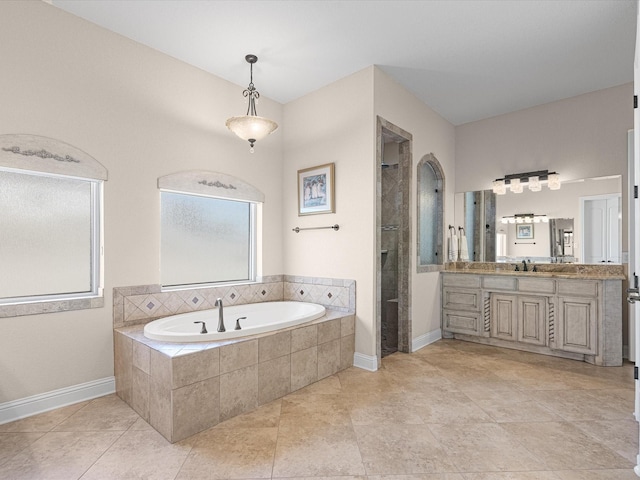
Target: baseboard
point(366, 362)
point(425, 339)
point(28, 406)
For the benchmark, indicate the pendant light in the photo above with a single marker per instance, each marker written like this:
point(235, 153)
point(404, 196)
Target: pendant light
point(251, 127)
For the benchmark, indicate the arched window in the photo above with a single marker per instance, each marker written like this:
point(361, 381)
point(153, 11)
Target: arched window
point(208, 229)
point(430, 214)
point(51, 221)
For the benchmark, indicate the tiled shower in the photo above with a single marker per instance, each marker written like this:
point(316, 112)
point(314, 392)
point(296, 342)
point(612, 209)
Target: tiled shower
point(389, 258)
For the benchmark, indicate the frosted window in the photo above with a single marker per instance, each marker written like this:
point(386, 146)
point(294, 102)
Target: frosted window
point(48, 238)
point(205, 240)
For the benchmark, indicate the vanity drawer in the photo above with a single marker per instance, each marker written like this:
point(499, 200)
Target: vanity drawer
point(536, 285)
point(461, 280)
point(499, 283)
point(585, 288)
point(462, 322)
point(461, 299)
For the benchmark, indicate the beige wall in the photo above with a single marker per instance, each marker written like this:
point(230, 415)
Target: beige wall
point(335, 125)
point(142, 115)
point(431, 134)
point(580, 137)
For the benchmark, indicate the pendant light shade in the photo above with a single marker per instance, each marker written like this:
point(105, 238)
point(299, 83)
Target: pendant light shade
point(251, 127)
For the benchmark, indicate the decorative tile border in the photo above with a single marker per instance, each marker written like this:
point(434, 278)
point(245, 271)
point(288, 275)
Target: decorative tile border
point(141, 304)
point(334, 293)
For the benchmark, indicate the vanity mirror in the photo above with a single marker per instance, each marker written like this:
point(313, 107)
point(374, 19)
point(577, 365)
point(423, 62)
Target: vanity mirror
point(579, 223)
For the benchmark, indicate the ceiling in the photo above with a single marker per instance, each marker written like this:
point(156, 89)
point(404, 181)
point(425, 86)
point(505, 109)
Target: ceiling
point(466, 59)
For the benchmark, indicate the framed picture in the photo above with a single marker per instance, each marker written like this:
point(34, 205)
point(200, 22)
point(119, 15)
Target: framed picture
point(524, 231)
point(316, 190)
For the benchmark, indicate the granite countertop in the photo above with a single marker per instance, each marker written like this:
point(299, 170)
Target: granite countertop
point(545, 270)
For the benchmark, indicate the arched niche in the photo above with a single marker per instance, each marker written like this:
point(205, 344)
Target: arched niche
point(430, 190)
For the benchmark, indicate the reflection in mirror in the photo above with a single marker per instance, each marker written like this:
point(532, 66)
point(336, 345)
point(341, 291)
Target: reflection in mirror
point(480, 234)
point(591, 205)
point(561, 237)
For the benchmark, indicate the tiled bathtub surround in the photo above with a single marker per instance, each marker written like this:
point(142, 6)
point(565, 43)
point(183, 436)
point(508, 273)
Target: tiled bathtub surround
point(184, 388)
point(141, 304)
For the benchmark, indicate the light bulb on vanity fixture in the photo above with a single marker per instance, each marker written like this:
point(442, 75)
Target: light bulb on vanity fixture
point(251, 127)
point(534, 184)
point(499, 187)
point(515, 186)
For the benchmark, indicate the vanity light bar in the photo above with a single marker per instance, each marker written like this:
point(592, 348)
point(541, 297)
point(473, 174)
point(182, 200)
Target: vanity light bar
point(533, 180)
point(525, 218)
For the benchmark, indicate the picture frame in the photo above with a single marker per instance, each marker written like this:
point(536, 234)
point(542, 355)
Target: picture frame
point(524, 231)
point(316, 190)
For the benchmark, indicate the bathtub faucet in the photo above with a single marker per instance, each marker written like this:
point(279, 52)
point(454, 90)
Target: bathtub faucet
point(220, 315)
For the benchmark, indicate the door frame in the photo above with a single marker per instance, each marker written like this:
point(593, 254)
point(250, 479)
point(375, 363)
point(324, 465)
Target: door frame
point(387, 130)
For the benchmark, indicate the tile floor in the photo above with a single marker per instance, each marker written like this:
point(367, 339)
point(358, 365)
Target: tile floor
point(452, 411)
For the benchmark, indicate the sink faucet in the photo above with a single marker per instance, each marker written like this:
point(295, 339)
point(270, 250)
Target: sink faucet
point(220, 315)
point(524, 266)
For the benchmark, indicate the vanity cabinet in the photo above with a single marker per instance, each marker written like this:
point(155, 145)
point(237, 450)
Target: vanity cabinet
point(503, 316)
point(462, 305)
point(574, 318)
point(518, 318)
point(532, 320)
point(576, 325)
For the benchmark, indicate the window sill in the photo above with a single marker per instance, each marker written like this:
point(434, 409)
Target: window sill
point(53, 306)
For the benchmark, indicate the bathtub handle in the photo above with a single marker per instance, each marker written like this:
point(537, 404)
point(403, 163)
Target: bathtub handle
point(238, 322)
point(204, 327)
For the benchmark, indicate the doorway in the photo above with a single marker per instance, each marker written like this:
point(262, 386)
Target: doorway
point(393, 237)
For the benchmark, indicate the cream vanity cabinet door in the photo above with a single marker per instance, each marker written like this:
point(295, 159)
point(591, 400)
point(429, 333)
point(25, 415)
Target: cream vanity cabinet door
point(504, 314)
point(576, 329)
point(532, 320)
point(577, 316)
